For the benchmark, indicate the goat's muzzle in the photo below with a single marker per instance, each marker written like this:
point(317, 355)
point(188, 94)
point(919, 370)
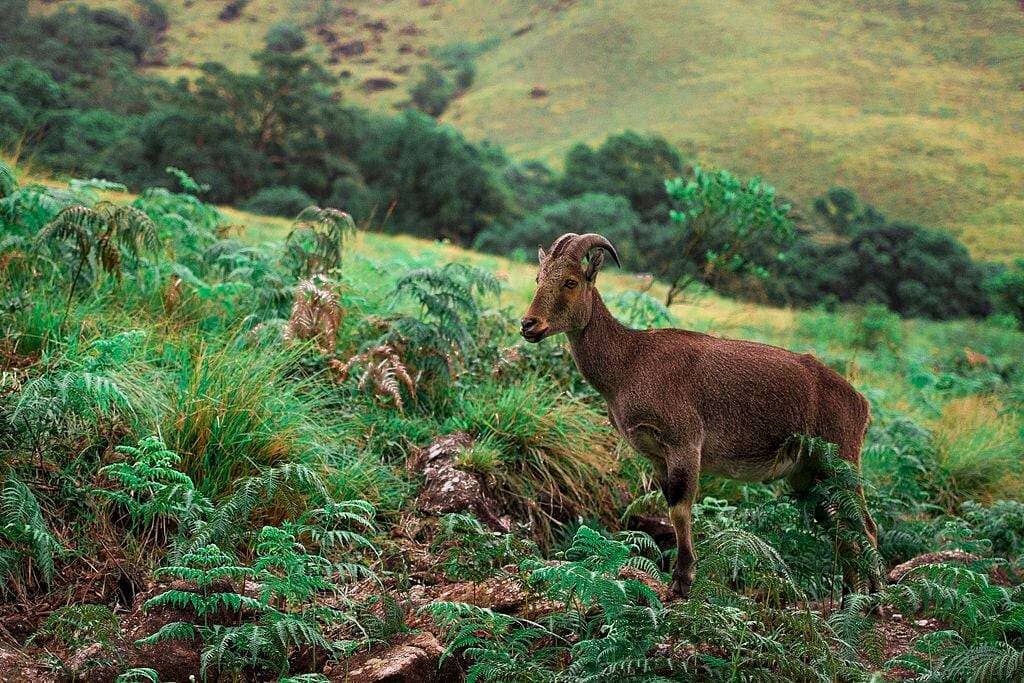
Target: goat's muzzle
point(533, 330)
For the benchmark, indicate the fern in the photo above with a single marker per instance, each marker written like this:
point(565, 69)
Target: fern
point(152, 490)
point(138, 675)
point(8, 183)
point(449, 310)
point(741, 559)
point(384, 370)
point(188, 184)
point(466, 549)
point(316, 242)
point(315, 316)
point(77, 625)
point(101, 236)
point(30, 545)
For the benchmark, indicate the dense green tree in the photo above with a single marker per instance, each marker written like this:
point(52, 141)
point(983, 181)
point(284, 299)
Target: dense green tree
point(433, 181)
point(912, 270)
point(629, 164)
point(613, 216)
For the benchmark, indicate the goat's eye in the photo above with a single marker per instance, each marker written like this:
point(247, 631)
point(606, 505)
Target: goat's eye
point(570, 284)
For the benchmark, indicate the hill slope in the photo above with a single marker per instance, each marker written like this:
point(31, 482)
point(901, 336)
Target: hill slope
point(914, 104)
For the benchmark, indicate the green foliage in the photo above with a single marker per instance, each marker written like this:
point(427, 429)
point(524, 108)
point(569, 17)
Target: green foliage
point(844, 213)
point(641, 310)
point(27, 545)
point(78, 625)
point(138, 675)
point(876, 327)
point(285, 37)
point(317, 239)
point(611, 215)
point(278, 201)
point(101, 238)
point(719, 222)
point(430, 180)
point(470, 551)
point(1007, 289)
point(152, 490)
point(433, 92)
point(836, 500)
point(630, 165)
point(294, 569)
point(912, 270)
point(8, 183)
point(449, 308)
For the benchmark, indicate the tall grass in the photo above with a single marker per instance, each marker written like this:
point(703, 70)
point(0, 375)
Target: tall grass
point(980, 449)
point(557, 453)
point(234, 412)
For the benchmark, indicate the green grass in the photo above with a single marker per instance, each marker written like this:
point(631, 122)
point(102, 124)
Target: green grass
point(914, 104)
point(264, 464)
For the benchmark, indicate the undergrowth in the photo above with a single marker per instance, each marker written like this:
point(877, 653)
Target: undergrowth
point(225, 428)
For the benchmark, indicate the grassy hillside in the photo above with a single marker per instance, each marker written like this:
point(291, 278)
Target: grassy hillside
point(914, 105)
point(216, 438)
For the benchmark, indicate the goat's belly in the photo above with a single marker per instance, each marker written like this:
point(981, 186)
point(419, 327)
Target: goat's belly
point(766, 467)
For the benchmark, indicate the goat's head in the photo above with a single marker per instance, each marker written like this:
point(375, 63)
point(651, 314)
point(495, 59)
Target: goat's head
point(565, 285)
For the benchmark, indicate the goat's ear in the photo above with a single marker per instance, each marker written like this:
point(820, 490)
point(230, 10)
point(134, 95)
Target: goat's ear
point(594, 261)
point(541, 254)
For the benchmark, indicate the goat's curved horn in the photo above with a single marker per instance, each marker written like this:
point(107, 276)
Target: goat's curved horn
point(559, 244)
point(582, 245)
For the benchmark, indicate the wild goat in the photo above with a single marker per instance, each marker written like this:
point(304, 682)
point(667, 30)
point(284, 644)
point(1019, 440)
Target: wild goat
point(691, 402)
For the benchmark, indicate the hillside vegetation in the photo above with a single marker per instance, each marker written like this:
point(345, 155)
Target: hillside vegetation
point(221, 457)
point(915, 105)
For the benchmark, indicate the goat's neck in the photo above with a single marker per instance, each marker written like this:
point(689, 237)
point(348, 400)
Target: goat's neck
point(600, 347)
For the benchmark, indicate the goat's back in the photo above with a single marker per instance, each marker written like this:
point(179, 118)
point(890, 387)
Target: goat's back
point(748, 398)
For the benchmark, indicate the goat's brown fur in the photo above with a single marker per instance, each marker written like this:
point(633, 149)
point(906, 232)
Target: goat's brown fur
point(689, 401)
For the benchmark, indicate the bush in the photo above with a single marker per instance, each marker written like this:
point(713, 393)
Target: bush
point(875, 327)
point(611, 216)
point(285, 36)
point(1007, 289)
point(279, 201)
point(632, 165)
point(844, 212)
point(911, 270)
point(433, 91)
point(435, 182)
point(719, 225)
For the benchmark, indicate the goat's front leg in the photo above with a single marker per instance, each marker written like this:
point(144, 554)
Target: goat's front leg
point(680, 489)
point(676, 459)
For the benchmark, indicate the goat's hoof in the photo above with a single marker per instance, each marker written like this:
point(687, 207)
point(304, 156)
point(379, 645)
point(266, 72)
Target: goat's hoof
point(680, 587)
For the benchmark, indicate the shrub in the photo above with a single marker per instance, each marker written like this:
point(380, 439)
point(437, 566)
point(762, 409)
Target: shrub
point(912, 270)
point(844, 212)
point(632, 165)
point(433, 91)
point(612, 216)
point(278, 201)
point(718, 224)
point(1007, 289)
point(285, 36)
point(876, 327)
